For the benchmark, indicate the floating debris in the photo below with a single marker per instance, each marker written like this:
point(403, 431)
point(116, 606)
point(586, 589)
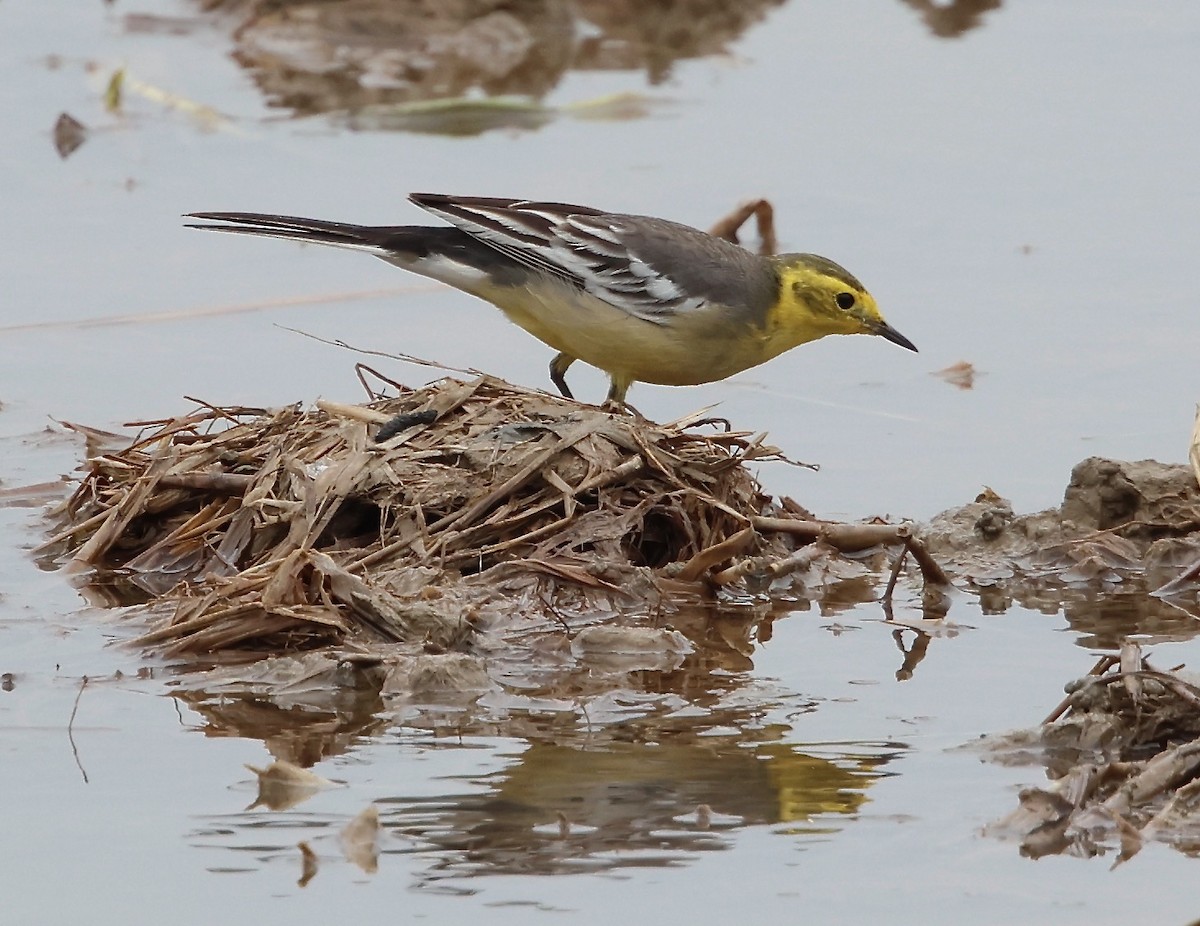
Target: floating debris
point(360, 840)
point(282, 785)
point(309, 863)
point(960, 375)
point(69, 135)
point(114, 91)
point(1123, 750)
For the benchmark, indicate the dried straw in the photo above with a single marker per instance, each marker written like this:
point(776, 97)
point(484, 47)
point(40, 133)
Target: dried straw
point(287, 529)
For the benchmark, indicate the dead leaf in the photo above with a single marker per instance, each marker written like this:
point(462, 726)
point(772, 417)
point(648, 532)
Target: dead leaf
point(282, 785)
point(112, 92)
point(360, 840)
point(1131, 839)
point(69, 135)
point(308, 858)
point(961, 374)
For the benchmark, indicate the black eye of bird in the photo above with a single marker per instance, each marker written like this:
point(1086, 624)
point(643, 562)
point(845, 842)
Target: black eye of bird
point(845, 300)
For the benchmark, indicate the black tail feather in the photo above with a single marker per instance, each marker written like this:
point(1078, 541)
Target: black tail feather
point(296, 228)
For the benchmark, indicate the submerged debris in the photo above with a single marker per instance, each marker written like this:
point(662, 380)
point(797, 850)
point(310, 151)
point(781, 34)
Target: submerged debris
point(1124, 752)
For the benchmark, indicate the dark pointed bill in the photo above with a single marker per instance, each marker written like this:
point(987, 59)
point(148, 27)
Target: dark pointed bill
point(884, 330)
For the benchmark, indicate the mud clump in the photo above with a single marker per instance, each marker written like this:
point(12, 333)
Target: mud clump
point(1145, 498)
point(1118, 521)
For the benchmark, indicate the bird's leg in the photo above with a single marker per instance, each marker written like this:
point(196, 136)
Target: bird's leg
point(617, 387)
point(558, 373)
point(623, 408)
point(615, 400)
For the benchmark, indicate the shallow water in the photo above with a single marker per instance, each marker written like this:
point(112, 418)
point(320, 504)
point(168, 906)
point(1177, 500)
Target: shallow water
point(1016, 197)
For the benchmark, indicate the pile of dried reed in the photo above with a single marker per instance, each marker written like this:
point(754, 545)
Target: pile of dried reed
point(285, 529)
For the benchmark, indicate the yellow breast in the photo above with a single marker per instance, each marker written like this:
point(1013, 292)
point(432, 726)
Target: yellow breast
point(694, 346)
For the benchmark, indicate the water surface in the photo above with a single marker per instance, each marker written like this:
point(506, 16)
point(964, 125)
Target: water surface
point(1016, 188)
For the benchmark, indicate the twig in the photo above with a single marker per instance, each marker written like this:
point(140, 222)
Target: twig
point(404, 358)
point(891, 585)
point(848, 538)
point(447, 540)
point(360, 369)
point(930, 570)
point(851, 538)
point(699, 564)
point(71, 729)
point(227, 414)
point(773, 569)
point(1103, 664)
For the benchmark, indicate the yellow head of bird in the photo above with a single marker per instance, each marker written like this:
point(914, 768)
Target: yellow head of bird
point(818, 297)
